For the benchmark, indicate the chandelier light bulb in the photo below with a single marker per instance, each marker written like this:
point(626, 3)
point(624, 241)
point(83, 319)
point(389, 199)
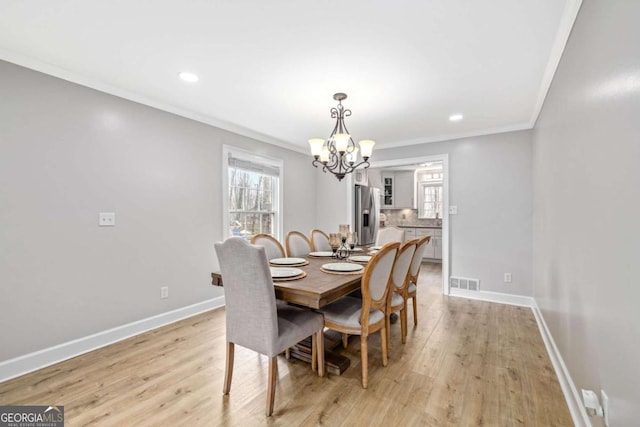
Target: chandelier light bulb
point(316, 145)
point(366, 148)
point(324, 154)
point(352, 156)
point(342, 141)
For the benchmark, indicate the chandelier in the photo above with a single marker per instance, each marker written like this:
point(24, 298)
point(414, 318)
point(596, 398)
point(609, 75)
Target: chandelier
point(339, 154)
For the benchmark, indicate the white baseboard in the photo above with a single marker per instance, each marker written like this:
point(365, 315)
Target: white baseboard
point(576, 408)
point(498, 297)
point(42, 358)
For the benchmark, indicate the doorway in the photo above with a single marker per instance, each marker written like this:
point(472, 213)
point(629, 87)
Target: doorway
point(429, 206)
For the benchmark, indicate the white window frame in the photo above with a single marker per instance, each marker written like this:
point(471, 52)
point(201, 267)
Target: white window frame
point(239, 153)
point(421, 187)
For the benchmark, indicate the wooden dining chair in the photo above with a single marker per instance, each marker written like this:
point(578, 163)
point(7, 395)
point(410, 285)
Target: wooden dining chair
point(414, 272)
point(271, 245)
point(298, 245)
point(389, 234)
point(399, 284)
point(319, 241)
point(253, 320)
point(355, 316)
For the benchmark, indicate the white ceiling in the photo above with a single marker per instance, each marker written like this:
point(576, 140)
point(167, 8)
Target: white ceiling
point(269, 69)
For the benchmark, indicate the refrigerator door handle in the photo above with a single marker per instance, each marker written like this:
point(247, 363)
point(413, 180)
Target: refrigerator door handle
point(374, 215)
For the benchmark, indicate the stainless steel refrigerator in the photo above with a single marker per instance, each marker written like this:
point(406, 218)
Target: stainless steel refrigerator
point(366, 214)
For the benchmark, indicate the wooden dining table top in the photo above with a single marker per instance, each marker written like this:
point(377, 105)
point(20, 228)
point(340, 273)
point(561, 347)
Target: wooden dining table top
point(317, 289)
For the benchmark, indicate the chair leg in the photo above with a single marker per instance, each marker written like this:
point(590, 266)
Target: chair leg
point(403, 324)
point(345, 340)
point(228, 373)
point(320, 351)
point(314, 352)
point(271, 386)
point(385, 347)
point(387, 326)
point(364, 360)
point(287, 353)
point(415, 309)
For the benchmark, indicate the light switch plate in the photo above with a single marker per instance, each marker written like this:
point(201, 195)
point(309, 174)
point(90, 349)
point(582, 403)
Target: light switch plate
point(107, 219)
point(453, 210)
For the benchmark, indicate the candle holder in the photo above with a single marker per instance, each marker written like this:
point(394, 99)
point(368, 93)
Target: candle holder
point(343, 251)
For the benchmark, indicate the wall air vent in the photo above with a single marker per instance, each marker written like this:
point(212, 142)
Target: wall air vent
point(464, 283)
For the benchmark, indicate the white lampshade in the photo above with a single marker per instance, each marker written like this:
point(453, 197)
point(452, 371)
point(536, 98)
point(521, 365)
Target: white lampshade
point(366, 147)
point(342, 141)
point(316, 146)
point(352, 156)
point(324, 154)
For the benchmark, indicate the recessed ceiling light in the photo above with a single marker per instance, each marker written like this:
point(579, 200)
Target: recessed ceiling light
point(455, 117)
point(188, 77)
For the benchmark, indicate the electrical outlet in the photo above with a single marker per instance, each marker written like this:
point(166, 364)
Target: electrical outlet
point(591, 403)
point(107, 219)
point(605, 407)
point(164, 292)
point(507, 277)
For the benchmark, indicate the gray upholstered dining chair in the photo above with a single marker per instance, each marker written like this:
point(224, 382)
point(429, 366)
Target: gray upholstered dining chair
point(399, 285)
point(389, 234)
point(355, 316)
point(253, 320)
point(298, 245)
point(414, 272)
point(320, 241)
point(271, 245)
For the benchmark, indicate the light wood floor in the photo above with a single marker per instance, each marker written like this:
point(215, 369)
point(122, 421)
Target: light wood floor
point(467, 363)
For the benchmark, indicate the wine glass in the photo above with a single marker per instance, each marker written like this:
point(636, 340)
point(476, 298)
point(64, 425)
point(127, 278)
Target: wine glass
point(352, 240)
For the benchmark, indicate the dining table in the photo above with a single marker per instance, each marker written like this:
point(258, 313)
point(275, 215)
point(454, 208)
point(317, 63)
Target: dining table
point(316, 289)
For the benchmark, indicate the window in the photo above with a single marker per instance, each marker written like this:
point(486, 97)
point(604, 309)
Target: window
point(430, 200)
point(253, 189)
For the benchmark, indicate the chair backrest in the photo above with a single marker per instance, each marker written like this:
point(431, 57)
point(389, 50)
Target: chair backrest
point(414, 269)
point(400, 274)
point(320, 241)
point(250, 300)
point(298, 245)
point(271, 245)
point(376, 280)
point(389, 234)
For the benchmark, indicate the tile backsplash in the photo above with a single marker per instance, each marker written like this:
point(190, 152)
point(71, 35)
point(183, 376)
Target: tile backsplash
point(407, 217)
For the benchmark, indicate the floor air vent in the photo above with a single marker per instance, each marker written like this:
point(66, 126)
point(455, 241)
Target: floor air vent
point(464, 283)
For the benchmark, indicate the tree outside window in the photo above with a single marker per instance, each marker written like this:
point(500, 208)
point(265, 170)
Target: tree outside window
point(253, 195)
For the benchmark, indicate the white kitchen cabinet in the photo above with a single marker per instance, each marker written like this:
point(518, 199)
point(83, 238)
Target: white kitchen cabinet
point(388, 190)
point(374, 178)
point(403, 187)
point(409, 233)
point(437, 247)
point(434, 247)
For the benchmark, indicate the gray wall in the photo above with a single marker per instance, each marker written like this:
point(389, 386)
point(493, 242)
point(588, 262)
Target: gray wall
point(586, 150)
point(68, 152)
point(490, 182)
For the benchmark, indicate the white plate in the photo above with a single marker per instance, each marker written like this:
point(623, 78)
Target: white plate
point(282, 272)
point(375, 248)
point(287, 261)
point(342, 267)
point(321, 254)
point(361, 258)
point(357, 250)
